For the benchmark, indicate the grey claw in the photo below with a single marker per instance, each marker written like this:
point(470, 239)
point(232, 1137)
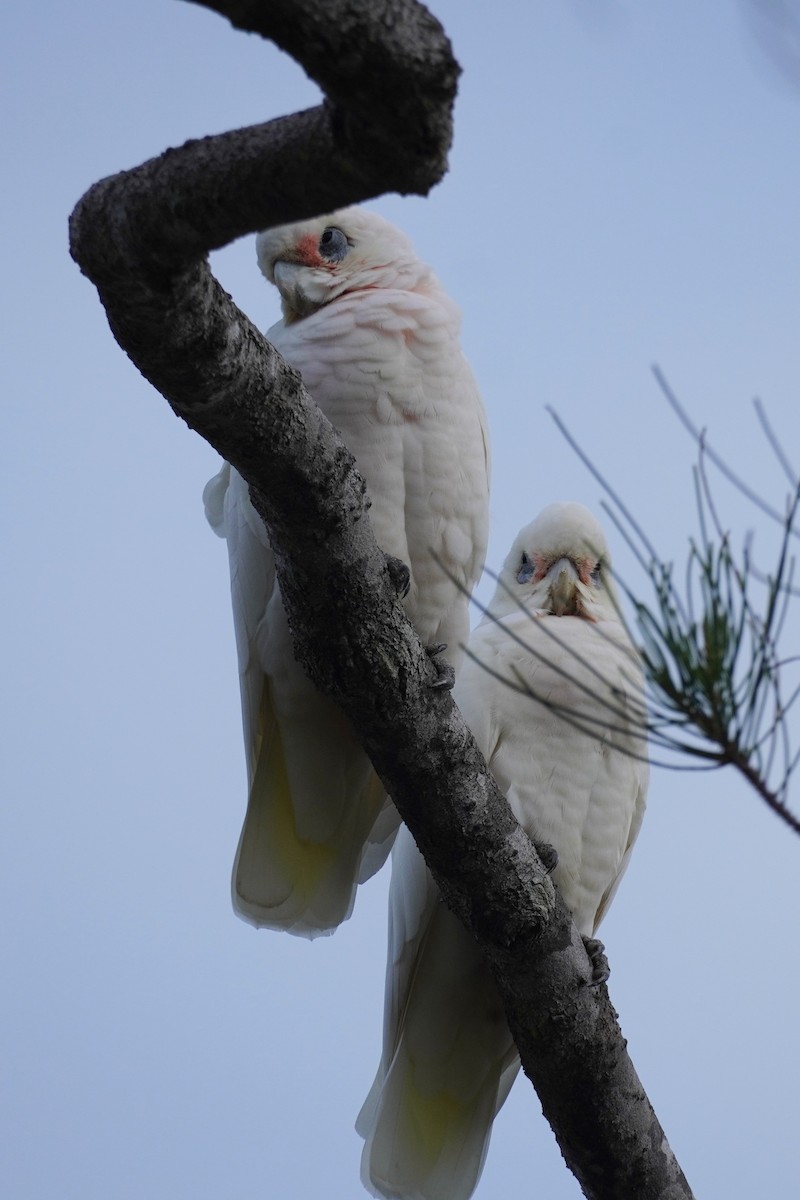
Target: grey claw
point(548, 854)
point(597, 956)
point(446, 675)
point(399, 574)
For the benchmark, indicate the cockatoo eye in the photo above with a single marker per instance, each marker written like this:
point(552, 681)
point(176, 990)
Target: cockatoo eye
point(597, 575)
point(333, 245)
point(525, 572)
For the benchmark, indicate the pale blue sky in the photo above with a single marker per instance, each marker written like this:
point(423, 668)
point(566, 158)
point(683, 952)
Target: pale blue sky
point(625, 189)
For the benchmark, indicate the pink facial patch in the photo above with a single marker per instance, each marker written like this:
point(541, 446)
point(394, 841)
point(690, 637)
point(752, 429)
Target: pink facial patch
point(307, 250)
point(541, 566)
point(585, 567)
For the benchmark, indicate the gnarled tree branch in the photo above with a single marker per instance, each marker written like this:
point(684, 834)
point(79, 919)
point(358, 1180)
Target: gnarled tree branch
point(142, 237)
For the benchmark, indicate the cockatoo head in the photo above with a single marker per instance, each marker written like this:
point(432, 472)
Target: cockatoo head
point(315, 262)
point(559, 565)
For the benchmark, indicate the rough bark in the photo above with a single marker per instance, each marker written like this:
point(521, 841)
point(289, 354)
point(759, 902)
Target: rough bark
point(142, 237)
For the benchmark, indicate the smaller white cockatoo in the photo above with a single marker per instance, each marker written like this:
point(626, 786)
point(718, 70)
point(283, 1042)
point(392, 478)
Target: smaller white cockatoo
point(376, 340)
point(552, 646)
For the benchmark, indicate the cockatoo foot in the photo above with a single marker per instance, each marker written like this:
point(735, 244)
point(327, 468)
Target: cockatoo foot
point(399, 574)
point(548, 854)
point(597, 956)
point(446, 675)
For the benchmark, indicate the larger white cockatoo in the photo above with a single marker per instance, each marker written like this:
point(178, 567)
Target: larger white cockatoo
point(376, 340)
point(553, 633)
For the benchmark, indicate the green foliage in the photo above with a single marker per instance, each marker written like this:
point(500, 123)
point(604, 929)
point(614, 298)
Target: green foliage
point(710, 647)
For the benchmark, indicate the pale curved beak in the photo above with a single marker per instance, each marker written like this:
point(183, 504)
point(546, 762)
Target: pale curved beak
point(288, 281)
point(564, 578)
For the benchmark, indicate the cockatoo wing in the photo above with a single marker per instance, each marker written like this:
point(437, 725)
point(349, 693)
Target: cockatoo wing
point(448, 1057)
point(252, 569)
point(633, 833)
point(297, 859)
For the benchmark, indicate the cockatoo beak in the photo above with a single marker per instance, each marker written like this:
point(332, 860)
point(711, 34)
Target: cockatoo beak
point(288, 281)
point(564, 577)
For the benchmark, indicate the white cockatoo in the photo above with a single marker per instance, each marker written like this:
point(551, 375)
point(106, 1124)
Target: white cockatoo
point(551, 645)
point(376, 340)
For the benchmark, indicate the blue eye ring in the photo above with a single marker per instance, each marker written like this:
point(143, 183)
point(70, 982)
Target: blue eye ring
point(525, 571)
point(333, 245)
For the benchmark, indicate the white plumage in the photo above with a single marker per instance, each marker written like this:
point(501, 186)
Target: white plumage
point(376, 341)
point(448, 1057)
